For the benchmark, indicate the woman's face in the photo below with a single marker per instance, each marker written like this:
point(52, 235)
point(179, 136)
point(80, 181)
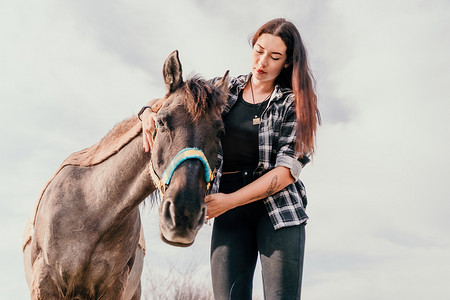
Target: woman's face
point(268, 57)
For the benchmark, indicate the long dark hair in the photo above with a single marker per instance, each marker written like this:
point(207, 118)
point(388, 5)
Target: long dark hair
point(298, 77)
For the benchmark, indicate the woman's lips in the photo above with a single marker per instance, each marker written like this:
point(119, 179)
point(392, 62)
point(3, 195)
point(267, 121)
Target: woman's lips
point(259, 71)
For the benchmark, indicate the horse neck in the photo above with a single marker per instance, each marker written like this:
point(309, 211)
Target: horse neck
point(125, 178)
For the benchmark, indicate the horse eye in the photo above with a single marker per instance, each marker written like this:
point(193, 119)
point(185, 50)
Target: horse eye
point(160, 123)
point(221, 133)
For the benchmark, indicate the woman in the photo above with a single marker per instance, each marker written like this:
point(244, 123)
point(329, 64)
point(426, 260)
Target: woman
point(270, 124)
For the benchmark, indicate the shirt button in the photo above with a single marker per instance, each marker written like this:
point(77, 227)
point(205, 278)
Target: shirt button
point(245, 173)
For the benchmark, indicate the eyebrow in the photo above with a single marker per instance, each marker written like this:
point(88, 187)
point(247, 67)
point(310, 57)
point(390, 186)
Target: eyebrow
point(272, 52)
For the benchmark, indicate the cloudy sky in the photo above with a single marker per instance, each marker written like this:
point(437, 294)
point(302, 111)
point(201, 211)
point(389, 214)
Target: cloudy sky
point(378, 186)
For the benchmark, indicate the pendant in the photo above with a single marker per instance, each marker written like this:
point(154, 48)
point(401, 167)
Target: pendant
point(256, 120)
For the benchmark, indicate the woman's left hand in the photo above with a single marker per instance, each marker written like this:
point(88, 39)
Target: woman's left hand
point(217, 204)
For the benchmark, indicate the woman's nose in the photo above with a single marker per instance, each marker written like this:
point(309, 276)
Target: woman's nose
point(263, 61)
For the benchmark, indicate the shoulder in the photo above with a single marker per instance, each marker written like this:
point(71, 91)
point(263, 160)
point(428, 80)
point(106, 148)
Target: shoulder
point(238, 82)
point(284, 96)
point(234, 82)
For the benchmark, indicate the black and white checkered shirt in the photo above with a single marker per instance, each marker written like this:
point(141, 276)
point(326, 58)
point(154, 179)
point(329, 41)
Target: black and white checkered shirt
point(276, 148)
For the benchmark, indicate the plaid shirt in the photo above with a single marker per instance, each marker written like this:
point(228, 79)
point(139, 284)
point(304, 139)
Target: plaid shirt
point(276, 148)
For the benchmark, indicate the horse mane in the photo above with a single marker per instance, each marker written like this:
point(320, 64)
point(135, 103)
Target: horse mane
point(205, 97)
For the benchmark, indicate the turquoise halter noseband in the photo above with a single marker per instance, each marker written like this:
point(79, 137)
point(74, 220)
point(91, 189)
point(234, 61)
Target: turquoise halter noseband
point(184, 154)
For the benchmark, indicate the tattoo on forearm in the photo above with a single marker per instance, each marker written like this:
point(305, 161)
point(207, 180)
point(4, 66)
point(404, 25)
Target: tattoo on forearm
point(271, 189)
point(272, 186)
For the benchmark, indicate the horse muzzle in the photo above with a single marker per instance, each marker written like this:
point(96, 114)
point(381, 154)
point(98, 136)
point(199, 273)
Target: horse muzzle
point(183, 211)
point(182, 214)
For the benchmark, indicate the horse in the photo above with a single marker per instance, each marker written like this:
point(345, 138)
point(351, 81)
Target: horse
point(84, 239)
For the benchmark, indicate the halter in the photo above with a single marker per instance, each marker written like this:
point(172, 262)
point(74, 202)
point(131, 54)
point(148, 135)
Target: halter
point(185, 154)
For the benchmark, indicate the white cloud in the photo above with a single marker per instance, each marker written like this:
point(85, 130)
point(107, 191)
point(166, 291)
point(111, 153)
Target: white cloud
point(377, 189)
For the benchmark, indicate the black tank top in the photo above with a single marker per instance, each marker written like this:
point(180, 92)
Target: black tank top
point(240, 143)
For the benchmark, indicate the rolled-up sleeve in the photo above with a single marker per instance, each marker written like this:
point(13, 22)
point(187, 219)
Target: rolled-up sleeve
point(294, 166)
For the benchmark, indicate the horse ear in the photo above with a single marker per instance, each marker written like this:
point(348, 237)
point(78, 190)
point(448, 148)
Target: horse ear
point(223, 83)
point(172, 72)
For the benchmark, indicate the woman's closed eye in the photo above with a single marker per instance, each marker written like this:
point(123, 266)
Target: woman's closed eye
point(260, 51)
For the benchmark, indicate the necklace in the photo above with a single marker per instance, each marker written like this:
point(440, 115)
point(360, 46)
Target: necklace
point(256, 119)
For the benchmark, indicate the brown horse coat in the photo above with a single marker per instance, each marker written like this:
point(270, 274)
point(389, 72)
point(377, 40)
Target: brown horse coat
point(82, 240)
point(109, 145)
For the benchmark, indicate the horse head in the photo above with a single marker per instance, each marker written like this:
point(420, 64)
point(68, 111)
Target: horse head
point(184, 154)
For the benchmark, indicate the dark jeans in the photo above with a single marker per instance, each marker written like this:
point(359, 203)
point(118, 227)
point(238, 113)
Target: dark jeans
point(238, 235)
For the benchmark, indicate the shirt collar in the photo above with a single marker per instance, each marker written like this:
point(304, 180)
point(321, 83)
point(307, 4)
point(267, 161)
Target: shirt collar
point(241, 85)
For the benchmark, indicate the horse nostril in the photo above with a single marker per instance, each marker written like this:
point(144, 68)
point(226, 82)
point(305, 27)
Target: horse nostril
point(202, 218)
point(168, 213)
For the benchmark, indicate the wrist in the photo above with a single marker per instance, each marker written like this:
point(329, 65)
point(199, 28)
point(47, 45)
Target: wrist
point(233, 199)
point(142, 111)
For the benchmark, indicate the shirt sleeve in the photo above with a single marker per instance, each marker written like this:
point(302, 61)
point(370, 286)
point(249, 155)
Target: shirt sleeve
point(286, 154)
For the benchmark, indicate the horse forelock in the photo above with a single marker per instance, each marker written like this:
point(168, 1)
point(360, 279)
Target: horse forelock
point(203, 97)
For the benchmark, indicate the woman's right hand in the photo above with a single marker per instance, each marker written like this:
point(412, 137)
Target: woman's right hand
point(148, 127)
